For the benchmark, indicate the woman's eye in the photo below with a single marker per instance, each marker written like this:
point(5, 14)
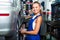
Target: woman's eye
point(36, 7)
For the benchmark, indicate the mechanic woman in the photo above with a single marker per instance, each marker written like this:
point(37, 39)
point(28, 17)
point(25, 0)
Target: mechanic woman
point(33, 31)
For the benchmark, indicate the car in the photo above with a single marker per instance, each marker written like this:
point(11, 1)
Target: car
point(10, 19)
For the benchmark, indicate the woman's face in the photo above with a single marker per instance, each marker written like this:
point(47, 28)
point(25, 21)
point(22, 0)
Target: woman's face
point(36, 8)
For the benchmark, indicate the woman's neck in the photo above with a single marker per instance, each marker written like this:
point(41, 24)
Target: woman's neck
point(37, 14)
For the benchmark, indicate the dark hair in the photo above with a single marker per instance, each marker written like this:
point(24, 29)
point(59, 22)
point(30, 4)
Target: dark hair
point(39, 5)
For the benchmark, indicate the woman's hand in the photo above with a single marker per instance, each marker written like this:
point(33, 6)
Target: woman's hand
point(23, 31)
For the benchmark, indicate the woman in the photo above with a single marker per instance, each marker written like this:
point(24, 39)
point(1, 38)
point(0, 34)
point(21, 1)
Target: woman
point(35, 22)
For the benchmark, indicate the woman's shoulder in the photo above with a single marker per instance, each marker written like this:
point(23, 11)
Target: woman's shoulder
point(33, 17)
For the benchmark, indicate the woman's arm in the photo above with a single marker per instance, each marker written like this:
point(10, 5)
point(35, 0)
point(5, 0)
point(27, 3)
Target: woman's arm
point(27, 17)
point(37, 27)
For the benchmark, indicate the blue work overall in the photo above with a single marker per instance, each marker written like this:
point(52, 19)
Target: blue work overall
point(29, 36)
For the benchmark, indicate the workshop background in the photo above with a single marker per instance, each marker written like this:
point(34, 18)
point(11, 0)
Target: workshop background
point(12, 16)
